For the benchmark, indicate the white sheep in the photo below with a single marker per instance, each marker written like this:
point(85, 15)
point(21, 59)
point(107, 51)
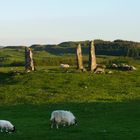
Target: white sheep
point(62, 117)
point(6, 126)
point(64, 66)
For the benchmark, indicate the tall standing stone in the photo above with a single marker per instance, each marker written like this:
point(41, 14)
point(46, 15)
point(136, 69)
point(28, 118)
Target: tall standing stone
point(92, 57)
point(29, 64)
point(79, 58)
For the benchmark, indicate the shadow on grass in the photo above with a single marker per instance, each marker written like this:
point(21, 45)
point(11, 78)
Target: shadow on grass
point(8, 77)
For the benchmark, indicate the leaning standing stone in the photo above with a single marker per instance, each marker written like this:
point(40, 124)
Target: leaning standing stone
point(92, 57)
point(79, 58)
point(29, 64)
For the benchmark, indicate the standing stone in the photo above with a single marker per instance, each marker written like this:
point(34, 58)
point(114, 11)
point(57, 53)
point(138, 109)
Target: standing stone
point(92, 57)
point(79, 58)
point(29, 64)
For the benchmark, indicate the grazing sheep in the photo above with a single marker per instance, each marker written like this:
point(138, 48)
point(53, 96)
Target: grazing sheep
point(6, 126)
point(64, 66)
point(114, 66)
point(61, 117)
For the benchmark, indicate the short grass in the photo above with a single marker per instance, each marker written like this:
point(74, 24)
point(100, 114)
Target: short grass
point(106, 105)
point(53, 85)
point(98, 121)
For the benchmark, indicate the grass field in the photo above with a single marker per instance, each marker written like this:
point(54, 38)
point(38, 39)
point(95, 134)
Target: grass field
point(106, 105)
point(53, 85)
point(98, 121)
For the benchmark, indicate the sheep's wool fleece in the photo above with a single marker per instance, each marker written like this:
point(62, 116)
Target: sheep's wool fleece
point(5, 124)
point(61, 115)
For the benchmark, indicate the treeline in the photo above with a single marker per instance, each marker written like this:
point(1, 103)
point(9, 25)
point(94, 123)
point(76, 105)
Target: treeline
point(115, 48)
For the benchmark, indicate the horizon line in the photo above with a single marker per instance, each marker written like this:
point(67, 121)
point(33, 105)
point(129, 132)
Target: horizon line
point(59, 42)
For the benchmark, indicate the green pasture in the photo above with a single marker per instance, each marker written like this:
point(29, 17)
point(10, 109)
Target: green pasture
point(96, 121)
point(106, 105)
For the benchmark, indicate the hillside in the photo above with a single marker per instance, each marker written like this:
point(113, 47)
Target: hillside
point(116, 48)
point(51, 84)
point(52, 54)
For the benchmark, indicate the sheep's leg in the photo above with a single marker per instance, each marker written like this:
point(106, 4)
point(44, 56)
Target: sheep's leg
point(68, 123)
point(1, 130)
point(6, 130)
point(52, 125)
point(57, 126)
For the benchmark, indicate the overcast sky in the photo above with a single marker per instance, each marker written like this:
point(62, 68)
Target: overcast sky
point(26, 22)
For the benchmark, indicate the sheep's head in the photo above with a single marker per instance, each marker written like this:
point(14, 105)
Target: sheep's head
point(14, 129)
point(75, 121)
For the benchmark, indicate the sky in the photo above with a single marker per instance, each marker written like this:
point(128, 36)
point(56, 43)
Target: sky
point(27, 22)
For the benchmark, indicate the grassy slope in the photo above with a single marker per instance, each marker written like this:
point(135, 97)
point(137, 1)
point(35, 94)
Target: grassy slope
point(54, 85)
